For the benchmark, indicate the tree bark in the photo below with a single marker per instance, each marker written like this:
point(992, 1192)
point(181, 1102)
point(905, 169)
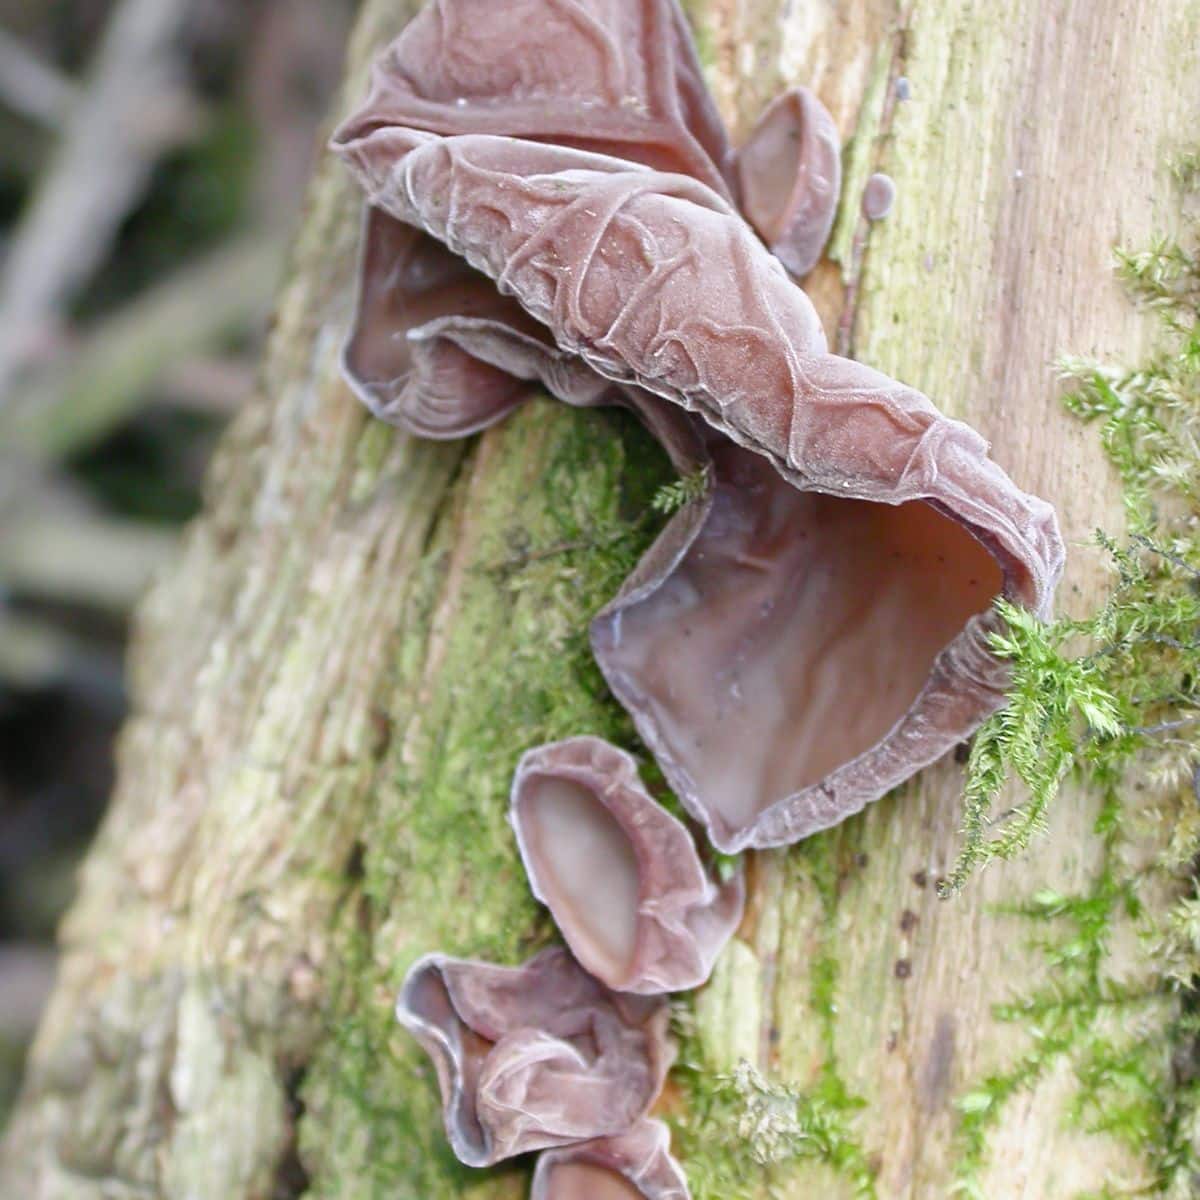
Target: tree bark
point(331, 689)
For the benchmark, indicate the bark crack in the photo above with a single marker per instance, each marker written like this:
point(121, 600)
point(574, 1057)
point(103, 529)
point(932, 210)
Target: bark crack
point(896, 67)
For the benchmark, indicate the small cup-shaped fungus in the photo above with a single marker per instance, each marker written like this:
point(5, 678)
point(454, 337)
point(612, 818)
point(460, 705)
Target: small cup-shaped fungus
point(533, 1056)
point(636, 1166)
point(789, 176)
point(879, 194)
point(805, 653)
point(619, 874)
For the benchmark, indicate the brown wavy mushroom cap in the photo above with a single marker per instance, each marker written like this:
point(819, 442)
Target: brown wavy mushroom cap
point(636, 1166)
point(533, 1056)
point(811, 631)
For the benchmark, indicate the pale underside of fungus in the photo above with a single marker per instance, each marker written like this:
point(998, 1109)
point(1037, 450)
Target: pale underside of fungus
point(811, 631)
point(533, 1056)
point(619, 874)
point(636, 1166)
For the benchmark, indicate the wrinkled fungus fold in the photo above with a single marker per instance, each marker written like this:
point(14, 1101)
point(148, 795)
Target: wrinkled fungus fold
point(810, 631)
point(533, 1056)
point(620, 875)
point(603, 75)
point(616, 77)
point(401, 357)
point(635, 1166)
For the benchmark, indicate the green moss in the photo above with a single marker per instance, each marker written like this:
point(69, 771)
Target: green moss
point(740, 1133)
point(370, 456)
point(1121, 687)
point(671, 497)
point(1112, 699)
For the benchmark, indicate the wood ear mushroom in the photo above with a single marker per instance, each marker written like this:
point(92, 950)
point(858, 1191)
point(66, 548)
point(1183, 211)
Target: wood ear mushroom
point(533, 1056)
point(636, 1166)
point(619, 874)
point(877, 531)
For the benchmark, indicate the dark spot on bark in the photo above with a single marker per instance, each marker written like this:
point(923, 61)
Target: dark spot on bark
point(908, 921)
point(861, 860)
point(890, 1044)
point(903, 968)
point(773, 1035)
point(920, 878)
point(380, 726)
point(356, 863)
point(962, 752)
point(291, 1179)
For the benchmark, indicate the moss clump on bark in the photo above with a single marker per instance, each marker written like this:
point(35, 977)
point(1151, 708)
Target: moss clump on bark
point(560, 507)
point(1114, 698)
point(741, 1132)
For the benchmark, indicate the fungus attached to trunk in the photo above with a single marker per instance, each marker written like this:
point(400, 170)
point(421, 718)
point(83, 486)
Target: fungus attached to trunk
point(398, 358)
point(811, 631)
point(615, 77)
point(619, 874)
point(806, 652)
point(533, 1056)
point(610, 76)
point(877, 543)
point(636, 1166)
point(789, 176)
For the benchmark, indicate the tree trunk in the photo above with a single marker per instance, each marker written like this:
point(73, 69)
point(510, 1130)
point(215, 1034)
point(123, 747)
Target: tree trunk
point(331, 688)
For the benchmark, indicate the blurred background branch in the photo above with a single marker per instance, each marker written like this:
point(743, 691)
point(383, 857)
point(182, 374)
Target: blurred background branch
point(31, 87)
point(152, 158)
point(134, 106)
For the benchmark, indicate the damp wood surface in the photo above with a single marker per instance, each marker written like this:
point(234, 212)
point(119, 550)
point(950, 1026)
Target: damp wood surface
point(332, 686)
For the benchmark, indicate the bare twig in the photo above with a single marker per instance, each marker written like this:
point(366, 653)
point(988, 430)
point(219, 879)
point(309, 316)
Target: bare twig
point(77, 401)
point(39, 653)
point(110, 142)
point(32, 87)
point(81, 557)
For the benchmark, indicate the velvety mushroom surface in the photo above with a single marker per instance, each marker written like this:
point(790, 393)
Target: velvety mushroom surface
point(635, 1166)
point(631, 270)
point(810, 632)
point(533, 1056)
point(617, 77)
point(605, 75)
point(619, 874)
